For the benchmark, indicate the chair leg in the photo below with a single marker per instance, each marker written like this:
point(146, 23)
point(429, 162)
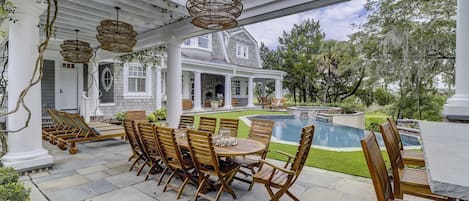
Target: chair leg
point(220, 191)
point(162, 175)
point(131, 156)
point(292, 196)
point(169, 180)
point(149, 171)
point(182, 187)
point(201, 185)
point(135, 162)
point(141, 167)
point(229, 189)
point(269, 190)
point(279, 194)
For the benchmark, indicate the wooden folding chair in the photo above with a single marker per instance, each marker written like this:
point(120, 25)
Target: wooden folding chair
point(206, 164)
point(172, 158)
point(134, 141)
point(377, 168)
point(261, 130)
point(409, 157)
point(208, 124)
point(185, 120)
point(283, 178)
point(406, 180)
point(147, 134)
point(231, 124)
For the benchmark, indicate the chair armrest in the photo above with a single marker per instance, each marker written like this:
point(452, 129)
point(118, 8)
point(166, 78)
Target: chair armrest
point(285, 154)
point(277, 167)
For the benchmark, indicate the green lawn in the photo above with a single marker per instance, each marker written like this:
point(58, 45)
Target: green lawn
point(346, 162)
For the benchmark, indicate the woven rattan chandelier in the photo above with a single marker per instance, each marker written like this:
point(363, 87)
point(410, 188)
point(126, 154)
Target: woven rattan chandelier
point(76, 51)
point(215, 14)
point(116, 36)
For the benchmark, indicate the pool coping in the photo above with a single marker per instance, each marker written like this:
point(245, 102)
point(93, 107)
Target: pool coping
point(246, 120)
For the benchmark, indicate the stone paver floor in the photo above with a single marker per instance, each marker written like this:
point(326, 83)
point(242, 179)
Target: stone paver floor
point(99, 172)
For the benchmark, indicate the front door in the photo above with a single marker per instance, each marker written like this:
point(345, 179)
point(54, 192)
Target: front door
point(67, 88)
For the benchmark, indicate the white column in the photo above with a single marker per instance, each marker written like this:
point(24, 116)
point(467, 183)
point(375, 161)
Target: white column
point(228, 92)
point(186, 85)
point(197, 91)
point(458, 106)
point(250, 92)
point(174, 103)
point(278, 88)
point(93, 90)
point(25, 149)
point(158, 96)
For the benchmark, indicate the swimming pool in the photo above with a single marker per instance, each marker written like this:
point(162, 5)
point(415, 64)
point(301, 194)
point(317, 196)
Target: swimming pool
point(288, 129)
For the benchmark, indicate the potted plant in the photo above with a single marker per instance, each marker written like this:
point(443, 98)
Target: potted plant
point(160, 114)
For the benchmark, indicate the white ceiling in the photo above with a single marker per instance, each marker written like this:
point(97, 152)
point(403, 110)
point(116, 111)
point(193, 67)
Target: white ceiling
point(155, 21)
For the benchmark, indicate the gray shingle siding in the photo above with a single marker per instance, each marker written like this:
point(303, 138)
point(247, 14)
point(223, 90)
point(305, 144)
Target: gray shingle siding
point(243, 38)
point(48, 85)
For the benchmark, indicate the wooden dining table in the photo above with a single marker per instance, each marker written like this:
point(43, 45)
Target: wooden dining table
point(446, 152)
point(242, 148)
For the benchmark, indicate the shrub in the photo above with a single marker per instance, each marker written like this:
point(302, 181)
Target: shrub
point(14, 192)
point(8, 175)
point(160, 114)
point(151, 118)
point(372, 122)
point(120, 116)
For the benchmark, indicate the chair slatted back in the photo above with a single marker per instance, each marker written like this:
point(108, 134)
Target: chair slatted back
point(147, 135)
point(184, 120)
point(307, 135)
point(131, 133)
point(67, 122)
point(394, 153)
point(377, 168)
point(136, 115)
point(201, 148)
point(167, 145)
point(231, 124)
point(396, 132)
point(208, 124)
point(53, 114)
point(80, 123)
point(261, 130)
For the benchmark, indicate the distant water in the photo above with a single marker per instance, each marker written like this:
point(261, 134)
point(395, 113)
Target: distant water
point(288, 128)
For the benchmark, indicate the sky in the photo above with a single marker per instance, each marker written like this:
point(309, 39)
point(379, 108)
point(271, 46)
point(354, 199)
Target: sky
point(336, 21)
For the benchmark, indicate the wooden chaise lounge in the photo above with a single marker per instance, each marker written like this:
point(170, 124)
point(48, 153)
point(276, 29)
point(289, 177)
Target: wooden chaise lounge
point(86, 134)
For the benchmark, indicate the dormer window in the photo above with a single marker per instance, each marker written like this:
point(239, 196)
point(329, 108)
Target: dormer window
point(202, 42)
point(242, 51)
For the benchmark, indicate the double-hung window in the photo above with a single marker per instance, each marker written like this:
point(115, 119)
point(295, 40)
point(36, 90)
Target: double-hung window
point(242, 51)
point(137, 80)
point(203, 42)
point(235, 87)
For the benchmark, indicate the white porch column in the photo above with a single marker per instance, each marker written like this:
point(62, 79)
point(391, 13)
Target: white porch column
point(93, 91)
point(186, 85)
point(197, 91)
point(158, 96)
point(250, 92)
point(228, 92)
point(278, 88)
point(25, 151)
point(457, 107)
point(174, 102)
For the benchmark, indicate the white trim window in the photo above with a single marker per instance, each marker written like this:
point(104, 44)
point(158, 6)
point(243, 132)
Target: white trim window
point(107, 79)
point(236, 87)
point(242, 51)
point(203, 42)
point(137, 80)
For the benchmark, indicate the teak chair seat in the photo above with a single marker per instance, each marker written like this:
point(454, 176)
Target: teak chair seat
point(185, 120)
point(261, 130)
point(172, 158)
point(208, 124)
point(406, 180)
point(207, 164)
point(409, 157)
point(283, 178)
point(377, 168)
point(147, 134)
point(85, 134)
point(231, 124)
point(134, 141)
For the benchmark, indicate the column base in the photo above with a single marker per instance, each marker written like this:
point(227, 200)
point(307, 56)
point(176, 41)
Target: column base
point(197, 109)
point(250, 105)
point(26, 161)
point(457, 108)
point(228, 107)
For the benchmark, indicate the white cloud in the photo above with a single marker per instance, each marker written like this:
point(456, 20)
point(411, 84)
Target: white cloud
point(336, 21)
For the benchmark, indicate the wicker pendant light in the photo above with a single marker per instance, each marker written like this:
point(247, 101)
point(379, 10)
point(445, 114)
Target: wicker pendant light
point(76, 51)
point(215, 14)
point(116, 36)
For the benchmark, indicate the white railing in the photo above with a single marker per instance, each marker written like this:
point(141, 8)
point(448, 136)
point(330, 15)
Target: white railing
point(85, 106)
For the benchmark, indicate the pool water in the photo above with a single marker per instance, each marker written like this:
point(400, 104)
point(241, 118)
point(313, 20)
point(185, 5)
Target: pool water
point(288, 128)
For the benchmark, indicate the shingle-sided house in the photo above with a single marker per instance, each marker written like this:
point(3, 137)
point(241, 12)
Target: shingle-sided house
point(212, 64)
